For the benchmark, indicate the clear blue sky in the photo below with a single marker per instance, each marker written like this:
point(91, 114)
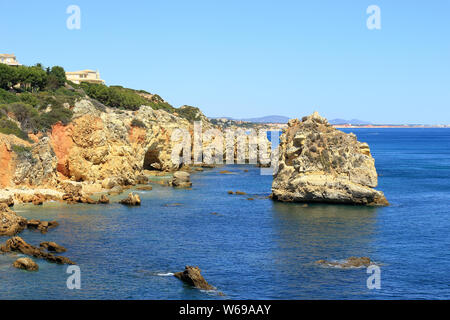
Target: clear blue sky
point(252, 58)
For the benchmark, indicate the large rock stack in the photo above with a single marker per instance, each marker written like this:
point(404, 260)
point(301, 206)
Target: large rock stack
point(319, 163)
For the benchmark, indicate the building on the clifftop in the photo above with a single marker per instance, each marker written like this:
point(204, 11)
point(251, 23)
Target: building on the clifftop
point(84, 76)
point(9, 59)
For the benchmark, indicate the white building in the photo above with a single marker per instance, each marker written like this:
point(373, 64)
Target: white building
point(84, 76)
point(9, 59)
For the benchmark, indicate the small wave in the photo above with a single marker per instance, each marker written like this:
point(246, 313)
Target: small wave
point(168, 274)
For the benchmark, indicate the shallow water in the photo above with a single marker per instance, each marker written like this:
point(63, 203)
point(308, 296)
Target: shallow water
point(257, 249)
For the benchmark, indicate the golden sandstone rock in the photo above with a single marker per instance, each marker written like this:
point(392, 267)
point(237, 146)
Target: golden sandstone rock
point(319, 163)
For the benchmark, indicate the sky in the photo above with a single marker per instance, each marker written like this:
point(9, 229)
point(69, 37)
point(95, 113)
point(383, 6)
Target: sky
point(252, 58)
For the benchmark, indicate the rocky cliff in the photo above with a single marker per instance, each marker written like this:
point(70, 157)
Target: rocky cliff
point(321, 164)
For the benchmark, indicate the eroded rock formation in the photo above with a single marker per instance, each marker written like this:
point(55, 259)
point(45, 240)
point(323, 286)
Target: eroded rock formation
point(17, 244)
point(181, 179)
point(192, 276)
point(319, 163)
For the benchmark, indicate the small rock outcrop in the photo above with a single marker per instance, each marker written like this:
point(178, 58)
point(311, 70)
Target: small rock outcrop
point(26, 264)
point(319, 163)
point(17, 244)
point(131, 200)
point(10, 222)
point(181, 179)
point(352, 262)
point(103, 199)
point(192, 276)
point(42, 226)
point(52, 247)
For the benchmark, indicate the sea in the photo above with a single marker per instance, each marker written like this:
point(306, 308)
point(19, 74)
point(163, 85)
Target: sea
point(256, 249)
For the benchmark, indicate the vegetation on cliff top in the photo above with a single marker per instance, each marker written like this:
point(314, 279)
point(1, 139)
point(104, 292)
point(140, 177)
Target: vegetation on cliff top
point(32, 99)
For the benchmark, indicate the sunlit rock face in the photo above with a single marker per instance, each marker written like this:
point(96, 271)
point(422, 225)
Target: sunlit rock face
point(319, 163)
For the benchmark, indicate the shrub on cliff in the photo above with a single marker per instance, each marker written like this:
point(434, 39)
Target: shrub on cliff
point(138, 123)
point(9, 127)
point(115, 97)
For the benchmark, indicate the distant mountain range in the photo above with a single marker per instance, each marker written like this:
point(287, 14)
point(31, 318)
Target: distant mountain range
point(354, 122)
point(283, 119)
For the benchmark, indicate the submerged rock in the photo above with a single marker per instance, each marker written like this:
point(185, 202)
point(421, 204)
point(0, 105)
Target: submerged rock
point(17, 244)
point(352, 262)
point(181, 179)
point(144, 188)
point(192, 276)
point(52, 246)
point(10, 222)
point(319, 163)
point(131, 200)
point(26, 264)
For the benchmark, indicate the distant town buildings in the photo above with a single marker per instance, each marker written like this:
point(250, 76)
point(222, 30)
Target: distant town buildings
point(84, 76)
point(9, 59)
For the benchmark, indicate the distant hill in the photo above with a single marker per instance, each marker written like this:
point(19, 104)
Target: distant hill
point(352, 122)
point(266, 119)
point(283, 119)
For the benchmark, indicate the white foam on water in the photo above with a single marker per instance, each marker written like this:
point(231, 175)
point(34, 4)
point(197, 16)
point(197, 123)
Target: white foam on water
point(168, 274)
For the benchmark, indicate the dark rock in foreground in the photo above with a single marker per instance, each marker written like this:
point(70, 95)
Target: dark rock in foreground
point(192, 276)
point(17, 244)
point(26, 264)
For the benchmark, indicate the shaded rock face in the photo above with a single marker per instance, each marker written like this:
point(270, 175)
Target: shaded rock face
point(352, 262)
point(192, 276)
point(26, 264)
point(17, 244)
point(10, 222)
point(319, 163)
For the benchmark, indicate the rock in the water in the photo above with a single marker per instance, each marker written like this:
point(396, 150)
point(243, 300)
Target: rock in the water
point(17, 244)
point(103, 199)
point(192, 276)
point(144, 188)
point(42, 226)
point(10, 222)
point(352, 262)
point(319, 163)
point(52, 247)
point(26, 264)
point(132, 200)
point(181, 179)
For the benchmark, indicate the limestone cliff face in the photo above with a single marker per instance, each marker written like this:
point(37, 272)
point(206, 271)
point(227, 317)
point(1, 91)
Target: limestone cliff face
point(321, 164)
point(100, 144)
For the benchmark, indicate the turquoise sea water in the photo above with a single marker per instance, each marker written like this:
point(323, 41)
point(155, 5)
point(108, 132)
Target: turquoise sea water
point(257, 249)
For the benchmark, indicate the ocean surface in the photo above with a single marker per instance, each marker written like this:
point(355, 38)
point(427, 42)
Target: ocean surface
point(257, 249)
